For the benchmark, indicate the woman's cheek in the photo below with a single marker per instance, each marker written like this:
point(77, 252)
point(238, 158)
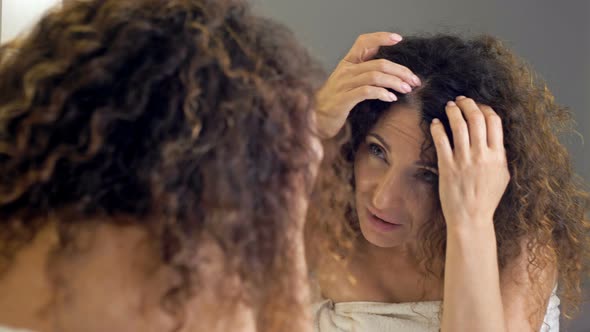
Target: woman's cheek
point(363, 171)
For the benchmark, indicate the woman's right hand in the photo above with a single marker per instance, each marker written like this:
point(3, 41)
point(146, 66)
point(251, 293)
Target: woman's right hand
point(358, 78)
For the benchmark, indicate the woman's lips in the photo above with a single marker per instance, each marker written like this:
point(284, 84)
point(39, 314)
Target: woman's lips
point(382, 217)
point(379, 224)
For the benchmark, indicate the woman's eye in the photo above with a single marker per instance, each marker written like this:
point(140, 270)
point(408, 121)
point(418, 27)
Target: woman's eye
point(376, 150)
point(427, 176)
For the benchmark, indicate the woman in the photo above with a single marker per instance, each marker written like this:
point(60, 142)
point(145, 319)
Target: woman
point(456, 206)
point(155, 163)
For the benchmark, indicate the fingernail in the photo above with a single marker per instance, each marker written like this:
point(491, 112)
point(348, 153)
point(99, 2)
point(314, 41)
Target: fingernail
point(392, 97)
point(395, 37)
point(461, 97)
point(406, 87)
point(416, 80)
point(435, 121)
point(451, 103)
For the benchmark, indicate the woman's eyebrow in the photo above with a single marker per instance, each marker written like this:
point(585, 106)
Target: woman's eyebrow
point(380, 139)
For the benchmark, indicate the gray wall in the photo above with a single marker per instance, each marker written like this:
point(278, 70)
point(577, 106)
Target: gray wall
point(553, 36)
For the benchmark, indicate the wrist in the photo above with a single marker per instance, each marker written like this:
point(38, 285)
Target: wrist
point(471, 226)
point(473, 243)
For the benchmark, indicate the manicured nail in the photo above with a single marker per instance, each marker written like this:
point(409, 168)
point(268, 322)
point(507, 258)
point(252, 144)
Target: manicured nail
point(435, 121)
point(451, 103)
point(416, 80)
point(395, 37)
point(392, 97)
point(461, 97)
point(406, 87)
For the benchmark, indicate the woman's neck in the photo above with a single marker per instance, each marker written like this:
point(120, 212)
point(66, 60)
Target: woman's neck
point(25, 287)
point(402, 256)
point(113, 283)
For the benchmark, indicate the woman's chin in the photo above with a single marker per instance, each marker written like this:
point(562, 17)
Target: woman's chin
point(379, 239)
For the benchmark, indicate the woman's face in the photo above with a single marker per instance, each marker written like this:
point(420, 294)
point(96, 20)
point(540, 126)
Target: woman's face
point(394, 186)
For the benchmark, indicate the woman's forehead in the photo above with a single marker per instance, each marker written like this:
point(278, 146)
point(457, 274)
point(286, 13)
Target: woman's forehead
point(400, 124)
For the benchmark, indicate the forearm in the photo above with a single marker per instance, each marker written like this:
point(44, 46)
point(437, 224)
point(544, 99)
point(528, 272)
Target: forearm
point(472, 298)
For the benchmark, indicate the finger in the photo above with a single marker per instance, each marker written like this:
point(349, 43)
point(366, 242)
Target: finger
point(362, 93)
point(495, 134)
point(387, 67)
point(476, 122)
point(459, 129)
point(441, 143)
point(366, 46)
point(379, 79)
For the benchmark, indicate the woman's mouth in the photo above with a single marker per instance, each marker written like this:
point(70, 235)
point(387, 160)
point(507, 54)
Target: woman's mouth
point(381, 224)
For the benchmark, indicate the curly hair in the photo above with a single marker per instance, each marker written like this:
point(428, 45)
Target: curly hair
point(176, 113)
point(544, 204)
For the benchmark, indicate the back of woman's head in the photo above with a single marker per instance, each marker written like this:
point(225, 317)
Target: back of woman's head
point(176, 115)
point(544, 204)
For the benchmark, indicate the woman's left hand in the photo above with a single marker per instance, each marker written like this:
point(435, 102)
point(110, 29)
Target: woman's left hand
point(474, 174)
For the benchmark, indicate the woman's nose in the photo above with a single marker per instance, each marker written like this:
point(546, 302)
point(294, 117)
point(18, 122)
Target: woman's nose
point(386, 191)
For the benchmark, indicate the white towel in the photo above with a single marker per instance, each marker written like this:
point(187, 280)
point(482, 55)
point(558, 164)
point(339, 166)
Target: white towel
point(376, 317)
point(397, 317)
point(7, 329)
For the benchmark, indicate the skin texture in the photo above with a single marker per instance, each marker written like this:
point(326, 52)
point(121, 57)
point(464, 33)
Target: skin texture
point(156, 161)
point(486, 230)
